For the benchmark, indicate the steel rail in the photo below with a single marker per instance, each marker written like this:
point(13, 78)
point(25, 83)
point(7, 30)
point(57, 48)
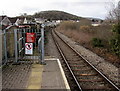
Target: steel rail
point(62, 54)
point(108, 80)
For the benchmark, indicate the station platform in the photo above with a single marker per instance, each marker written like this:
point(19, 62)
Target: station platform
point(35, 76)
point(49, 76)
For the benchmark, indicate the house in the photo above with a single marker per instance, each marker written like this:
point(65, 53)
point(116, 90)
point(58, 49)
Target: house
point(1, 18)
point(40, 20)
point(4, 20)
point(25, 21)
point(13, 20)
point(19, 21)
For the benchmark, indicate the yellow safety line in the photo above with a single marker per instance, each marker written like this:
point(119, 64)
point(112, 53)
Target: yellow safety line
point(35, 78)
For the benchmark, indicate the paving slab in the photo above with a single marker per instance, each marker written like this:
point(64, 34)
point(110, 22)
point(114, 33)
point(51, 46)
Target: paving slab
point(35, 76)
point(16, 76)
point(52, 77)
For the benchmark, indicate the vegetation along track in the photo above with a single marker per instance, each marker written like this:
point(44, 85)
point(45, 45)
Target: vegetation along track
point(85, 75)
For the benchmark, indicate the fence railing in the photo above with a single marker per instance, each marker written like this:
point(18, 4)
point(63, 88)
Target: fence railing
point(12, 44)
point(6, 45)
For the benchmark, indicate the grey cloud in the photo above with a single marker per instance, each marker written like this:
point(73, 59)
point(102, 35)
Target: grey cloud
point(90, 3)
point(60, 4)
point(29, 9)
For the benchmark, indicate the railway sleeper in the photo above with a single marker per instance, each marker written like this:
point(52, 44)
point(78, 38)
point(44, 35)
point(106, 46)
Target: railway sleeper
point(71, 54)
point(94, 84)
point(87, 74)
point(90, 80)
point(86, 69)
point(75, 62)
point(78, 65)
point(96, 88)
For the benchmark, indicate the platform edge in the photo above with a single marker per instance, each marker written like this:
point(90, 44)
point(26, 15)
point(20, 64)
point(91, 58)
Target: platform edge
point(63, 75)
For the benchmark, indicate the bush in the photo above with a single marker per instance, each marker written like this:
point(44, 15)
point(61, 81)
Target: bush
point(115, 46)
point(115, 42)
point(116, 28)
point(84, 28)
point(96, 42)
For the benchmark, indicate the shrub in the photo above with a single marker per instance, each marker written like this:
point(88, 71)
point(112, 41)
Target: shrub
point(69, 25)
point(116, 28)
point(84, 28)
point(115, 42)
point(96, 42)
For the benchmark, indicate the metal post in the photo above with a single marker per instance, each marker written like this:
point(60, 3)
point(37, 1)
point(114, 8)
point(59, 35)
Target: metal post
point(119, 12)
point(42, 45)
point(16, 47)
point(1, 47)
point(5, 45)
point(24, 34)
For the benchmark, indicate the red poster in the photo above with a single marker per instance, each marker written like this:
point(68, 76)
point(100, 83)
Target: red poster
point(30, 37)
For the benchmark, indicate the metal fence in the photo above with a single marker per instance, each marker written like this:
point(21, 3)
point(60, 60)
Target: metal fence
point(21, 40)
point(12, 45)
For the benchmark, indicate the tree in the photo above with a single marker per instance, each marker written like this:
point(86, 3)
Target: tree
point(114, 13)
point(115, 41)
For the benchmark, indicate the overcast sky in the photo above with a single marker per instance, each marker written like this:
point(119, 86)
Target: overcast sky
point(84, 8)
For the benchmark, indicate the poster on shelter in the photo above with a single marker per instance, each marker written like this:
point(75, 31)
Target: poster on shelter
point(30, 37)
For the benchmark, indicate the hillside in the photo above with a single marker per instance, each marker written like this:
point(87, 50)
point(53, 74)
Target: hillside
point(56, 15)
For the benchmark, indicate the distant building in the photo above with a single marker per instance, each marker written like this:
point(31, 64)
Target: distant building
point(4, 20)
point(40, 20)
point(96, 22)
point(7, 21)
point(19, 21)
point(25, 21)
point(12, 20)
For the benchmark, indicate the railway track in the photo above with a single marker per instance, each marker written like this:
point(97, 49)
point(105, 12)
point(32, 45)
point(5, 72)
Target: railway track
point(85, 75)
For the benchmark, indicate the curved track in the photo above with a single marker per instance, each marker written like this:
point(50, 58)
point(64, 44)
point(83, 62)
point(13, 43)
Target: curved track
point(85, 75)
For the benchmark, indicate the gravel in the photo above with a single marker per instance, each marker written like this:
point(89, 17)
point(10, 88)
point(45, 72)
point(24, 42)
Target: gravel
point(52, 51)
point(109, 70)
point(50, 47)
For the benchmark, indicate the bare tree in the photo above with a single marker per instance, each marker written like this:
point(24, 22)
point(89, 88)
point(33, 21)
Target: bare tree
point(119, 12)
point(114, 13)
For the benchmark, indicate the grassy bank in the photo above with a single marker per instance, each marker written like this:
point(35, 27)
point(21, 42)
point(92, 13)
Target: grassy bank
point(87, 35)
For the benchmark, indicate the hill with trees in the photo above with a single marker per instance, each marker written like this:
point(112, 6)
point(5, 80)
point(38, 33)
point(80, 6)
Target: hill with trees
point(56, 15)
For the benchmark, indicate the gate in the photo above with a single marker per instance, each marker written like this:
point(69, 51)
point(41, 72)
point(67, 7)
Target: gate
point(15, 53)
